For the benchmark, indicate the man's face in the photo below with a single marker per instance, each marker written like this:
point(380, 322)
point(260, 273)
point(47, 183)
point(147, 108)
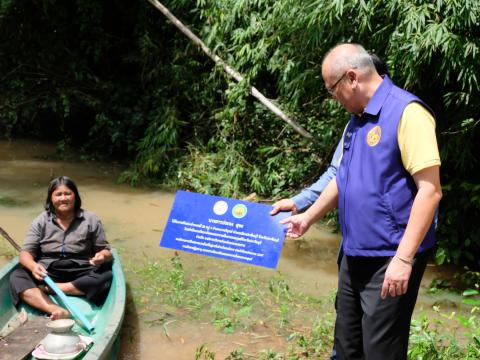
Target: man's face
point(341, 87)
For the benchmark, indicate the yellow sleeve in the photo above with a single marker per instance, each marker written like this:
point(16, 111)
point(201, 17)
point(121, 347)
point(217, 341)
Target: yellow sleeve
point(416, 138)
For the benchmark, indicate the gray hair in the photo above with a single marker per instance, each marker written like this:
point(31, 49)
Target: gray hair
point(343, 60)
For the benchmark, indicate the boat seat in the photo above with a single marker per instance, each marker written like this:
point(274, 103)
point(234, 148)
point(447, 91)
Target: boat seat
point(21, 341)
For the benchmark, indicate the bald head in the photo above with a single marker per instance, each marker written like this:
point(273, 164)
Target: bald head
point(347, 56)
point(350, 76)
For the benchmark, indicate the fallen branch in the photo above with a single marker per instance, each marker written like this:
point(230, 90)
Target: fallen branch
point(230, 71)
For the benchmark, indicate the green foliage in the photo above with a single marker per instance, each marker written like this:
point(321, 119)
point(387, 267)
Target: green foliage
point(428, 340)
point(57, 82)
point(471, 279)
point(116, 80)
point(203, 353)
point(427, 343)
point(466, 283)
point(317, 343)
point(458, 234)
point(431, 48)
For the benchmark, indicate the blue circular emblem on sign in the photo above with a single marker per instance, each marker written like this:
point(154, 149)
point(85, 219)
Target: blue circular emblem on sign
point(239, 211)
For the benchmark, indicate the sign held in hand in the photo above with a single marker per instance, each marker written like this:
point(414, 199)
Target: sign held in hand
point(225, 228)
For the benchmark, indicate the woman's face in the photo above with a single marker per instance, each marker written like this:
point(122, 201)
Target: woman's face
point(63, 199)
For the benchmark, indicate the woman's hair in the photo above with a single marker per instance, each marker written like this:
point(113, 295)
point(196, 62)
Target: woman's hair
point(54, 184)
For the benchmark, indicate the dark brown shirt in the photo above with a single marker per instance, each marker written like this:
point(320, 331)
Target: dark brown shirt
point(48, 242)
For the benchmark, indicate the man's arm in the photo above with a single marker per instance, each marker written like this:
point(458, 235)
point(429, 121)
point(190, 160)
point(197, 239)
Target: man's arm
point(421, 216)
point(328, 200)
point(420, 157)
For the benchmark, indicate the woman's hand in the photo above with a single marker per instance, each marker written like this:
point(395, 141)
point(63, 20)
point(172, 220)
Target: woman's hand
point(101, 257)
point(38, 271)
point(28, 262)
point(98, 259)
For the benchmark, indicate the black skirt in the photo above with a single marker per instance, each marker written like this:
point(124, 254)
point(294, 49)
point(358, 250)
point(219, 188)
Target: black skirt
point(93, 281)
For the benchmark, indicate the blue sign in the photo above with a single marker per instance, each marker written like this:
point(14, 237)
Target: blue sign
point(225, 228)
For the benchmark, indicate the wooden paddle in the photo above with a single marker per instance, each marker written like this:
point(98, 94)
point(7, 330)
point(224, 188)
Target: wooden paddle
point(10, 240)
point(69, 304)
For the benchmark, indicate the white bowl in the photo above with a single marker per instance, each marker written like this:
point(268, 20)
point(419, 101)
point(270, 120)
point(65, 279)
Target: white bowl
point(62, 340)
point(61, 325)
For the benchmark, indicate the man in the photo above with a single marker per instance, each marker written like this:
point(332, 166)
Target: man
point(309, 195)
point(387, 189)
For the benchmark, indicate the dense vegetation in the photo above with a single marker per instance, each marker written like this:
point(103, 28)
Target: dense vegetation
point(114, 80)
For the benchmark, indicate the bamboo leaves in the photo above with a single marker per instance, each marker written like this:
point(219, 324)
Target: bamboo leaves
point(141, 92)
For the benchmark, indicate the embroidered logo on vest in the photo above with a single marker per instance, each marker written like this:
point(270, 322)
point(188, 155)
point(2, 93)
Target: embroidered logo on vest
point(374, 135)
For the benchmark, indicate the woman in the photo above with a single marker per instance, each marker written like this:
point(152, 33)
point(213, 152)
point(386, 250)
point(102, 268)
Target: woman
point(67, 243)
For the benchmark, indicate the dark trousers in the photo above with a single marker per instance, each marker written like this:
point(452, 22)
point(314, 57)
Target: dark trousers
point(94, 282)
point(368, 327)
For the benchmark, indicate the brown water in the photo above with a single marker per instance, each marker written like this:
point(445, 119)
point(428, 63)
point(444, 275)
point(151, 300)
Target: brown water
point(134, 219)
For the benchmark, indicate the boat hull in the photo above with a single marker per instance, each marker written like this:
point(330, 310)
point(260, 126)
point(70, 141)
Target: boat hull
point(107, 319)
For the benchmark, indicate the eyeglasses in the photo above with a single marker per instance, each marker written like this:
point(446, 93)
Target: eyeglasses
point(331, 89)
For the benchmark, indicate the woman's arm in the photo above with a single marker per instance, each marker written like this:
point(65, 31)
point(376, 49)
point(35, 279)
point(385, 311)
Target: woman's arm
point(28, 261)
point(102, 247)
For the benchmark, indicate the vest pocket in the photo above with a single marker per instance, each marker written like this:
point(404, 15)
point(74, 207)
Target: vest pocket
point(391, 219)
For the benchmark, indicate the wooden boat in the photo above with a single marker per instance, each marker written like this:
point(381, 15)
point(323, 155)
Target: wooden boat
point(107, 319)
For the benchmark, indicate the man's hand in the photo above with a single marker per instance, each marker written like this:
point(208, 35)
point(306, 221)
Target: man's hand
point(297, 225)
point(396, 278)
point(283, 205)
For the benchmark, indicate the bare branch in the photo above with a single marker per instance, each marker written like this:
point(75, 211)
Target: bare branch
point(230, 71)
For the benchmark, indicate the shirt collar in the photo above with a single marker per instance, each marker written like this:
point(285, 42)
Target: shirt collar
point(376, 101)
point(78, 214)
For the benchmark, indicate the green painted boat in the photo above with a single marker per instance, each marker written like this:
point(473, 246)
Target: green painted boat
point(107, 319)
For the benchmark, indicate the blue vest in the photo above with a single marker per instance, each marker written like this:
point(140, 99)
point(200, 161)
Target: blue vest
point(376, 193)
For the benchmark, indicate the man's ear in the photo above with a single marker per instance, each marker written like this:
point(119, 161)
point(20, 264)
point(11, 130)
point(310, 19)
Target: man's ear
point(352, 78)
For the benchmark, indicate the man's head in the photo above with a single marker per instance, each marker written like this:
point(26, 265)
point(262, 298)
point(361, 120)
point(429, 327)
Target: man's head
point(350, 76)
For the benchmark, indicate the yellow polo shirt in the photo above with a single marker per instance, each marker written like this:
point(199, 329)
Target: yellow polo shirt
point(416, 139)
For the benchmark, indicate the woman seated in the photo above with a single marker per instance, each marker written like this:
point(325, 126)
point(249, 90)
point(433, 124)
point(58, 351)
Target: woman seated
point(67, 243)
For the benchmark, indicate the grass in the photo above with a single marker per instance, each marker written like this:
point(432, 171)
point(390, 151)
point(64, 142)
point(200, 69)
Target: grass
point(445, 337)
point(237, 303)
point(241, 302)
